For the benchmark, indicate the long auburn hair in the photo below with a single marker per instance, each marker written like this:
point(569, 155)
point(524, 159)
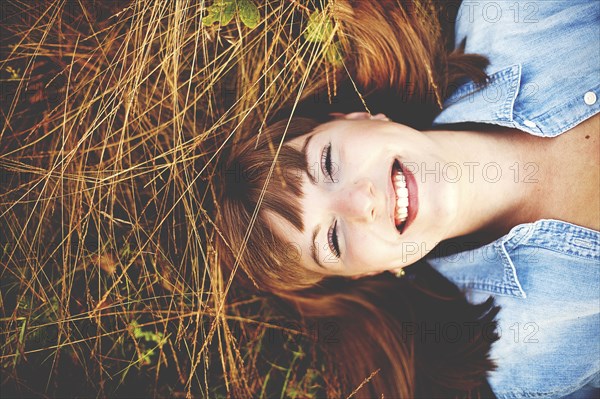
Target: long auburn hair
point(405, 45)
point(389, 44)
point(418, 335)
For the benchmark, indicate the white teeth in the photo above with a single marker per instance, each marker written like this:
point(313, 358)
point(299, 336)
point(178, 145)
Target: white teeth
point(401, 196)
point(400, 179)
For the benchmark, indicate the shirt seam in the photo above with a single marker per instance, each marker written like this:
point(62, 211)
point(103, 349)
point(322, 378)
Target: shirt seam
point(574, 100)
point(546, 228)
point(501, 76)
point(510, 271)
point(552, 113)
point(560, 251)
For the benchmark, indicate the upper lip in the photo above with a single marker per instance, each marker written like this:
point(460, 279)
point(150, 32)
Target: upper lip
point(392, 200)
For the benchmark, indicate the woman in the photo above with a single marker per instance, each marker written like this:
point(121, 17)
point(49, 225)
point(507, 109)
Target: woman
point(361, 195)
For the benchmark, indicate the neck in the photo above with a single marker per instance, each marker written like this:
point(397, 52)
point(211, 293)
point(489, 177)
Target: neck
point(500, 180)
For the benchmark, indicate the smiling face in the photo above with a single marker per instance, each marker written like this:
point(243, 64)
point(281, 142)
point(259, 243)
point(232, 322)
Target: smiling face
point(369, 204)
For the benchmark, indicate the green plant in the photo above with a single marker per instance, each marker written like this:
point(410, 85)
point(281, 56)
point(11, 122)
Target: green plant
point(223, 11)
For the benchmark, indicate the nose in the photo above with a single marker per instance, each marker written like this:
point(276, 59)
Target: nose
point(357, 202)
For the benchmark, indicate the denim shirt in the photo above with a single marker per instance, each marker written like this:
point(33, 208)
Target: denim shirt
point(544, 65)
point(544, 79)
point(546, 278)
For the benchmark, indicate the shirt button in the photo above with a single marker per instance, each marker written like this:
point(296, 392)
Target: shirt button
point(529, 123)
point(590, 98)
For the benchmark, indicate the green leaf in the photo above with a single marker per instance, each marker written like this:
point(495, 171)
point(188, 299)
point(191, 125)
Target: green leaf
point(228, 13)
point(209, 18)
point(248, 13)
point(221, 11)
point(213, 15)
point(334, 54)
point(318, 28)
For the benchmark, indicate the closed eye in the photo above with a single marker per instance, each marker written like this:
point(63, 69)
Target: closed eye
point(332, 239)
point(326, 165)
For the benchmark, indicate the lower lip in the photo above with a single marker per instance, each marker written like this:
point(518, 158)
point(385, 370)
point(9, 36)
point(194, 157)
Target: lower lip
point(413, 197)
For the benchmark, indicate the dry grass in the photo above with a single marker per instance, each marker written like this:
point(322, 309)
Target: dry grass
point(113, 116)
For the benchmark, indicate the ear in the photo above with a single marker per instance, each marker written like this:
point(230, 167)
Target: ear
point(359, 115)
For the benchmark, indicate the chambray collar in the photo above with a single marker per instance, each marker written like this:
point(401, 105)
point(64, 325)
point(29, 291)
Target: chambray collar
point(490, 103)
point(491, 267)
point(543, 76)
point(561, 237)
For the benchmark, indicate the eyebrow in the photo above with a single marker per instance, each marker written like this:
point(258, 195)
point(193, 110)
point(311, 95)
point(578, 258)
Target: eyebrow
point(313, 248)
point(305, 154)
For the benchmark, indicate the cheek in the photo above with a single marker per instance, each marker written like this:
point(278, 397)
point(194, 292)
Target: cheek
point(356, 250)
point(369, 252)
point(411, 251)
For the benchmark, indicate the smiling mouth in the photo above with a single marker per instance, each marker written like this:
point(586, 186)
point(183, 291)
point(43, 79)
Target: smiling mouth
point(401, 206)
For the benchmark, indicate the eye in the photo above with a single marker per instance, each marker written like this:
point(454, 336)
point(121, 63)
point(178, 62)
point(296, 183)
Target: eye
point(326, 165)
point(332, 239)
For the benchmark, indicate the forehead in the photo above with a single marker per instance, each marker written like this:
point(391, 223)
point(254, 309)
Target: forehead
point(301, 142)
point(355, 129)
